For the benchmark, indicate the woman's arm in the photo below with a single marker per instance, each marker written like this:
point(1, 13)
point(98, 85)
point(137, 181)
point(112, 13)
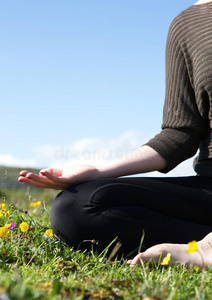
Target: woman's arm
point(144, 159)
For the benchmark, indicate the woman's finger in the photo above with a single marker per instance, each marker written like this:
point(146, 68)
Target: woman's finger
point(56, 179)
point(33, 179)
point(38, 178)
point(50, 176)
point(55, 172)
point(23, 173)
point(41, 185)
point(33, 183)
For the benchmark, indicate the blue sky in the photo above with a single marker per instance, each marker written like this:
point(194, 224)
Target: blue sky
point(83, 80)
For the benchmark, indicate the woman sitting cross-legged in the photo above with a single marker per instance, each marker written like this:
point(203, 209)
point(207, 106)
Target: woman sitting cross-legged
point(98, 204)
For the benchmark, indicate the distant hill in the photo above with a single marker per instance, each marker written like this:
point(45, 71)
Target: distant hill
point(9, 176)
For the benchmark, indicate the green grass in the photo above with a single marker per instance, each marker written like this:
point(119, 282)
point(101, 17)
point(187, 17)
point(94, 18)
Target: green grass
point(35, 266)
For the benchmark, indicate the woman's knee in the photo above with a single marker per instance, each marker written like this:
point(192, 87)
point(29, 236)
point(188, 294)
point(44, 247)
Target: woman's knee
point(65, 212)
point(82, 213)
point(72, 216)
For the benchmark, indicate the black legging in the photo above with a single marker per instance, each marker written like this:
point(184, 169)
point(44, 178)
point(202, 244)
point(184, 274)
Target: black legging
point(175, 210)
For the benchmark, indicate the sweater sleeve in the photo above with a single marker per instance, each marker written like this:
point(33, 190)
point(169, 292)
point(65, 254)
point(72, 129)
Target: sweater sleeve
point(175, 146)
point(183, 127)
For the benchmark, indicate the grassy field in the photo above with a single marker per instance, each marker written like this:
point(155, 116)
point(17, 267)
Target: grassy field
point(34, 265)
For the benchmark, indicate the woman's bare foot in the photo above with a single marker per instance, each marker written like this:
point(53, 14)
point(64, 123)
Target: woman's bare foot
point(179, 254)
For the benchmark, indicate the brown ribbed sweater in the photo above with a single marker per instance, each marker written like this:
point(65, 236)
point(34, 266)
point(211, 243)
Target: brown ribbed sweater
point(187, 117)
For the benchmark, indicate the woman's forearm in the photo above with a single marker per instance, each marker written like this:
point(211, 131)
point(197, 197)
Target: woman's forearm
point(143, 159)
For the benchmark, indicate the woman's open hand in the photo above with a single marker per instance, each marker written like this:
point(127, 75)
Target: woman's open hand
point(59, 179)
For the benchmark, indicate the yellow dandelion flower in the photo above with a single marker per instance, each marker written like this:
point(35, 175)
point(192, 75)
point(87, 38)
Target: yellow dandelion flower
point(166, 259)
point(192, 246)
point(24, 226)
point(49, 232)
point(4, 231)
point(7, 225)
point(37, 203)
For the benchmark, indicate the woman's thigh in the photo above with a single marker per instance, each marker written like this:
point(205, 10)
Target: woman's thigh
point(166, 209)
